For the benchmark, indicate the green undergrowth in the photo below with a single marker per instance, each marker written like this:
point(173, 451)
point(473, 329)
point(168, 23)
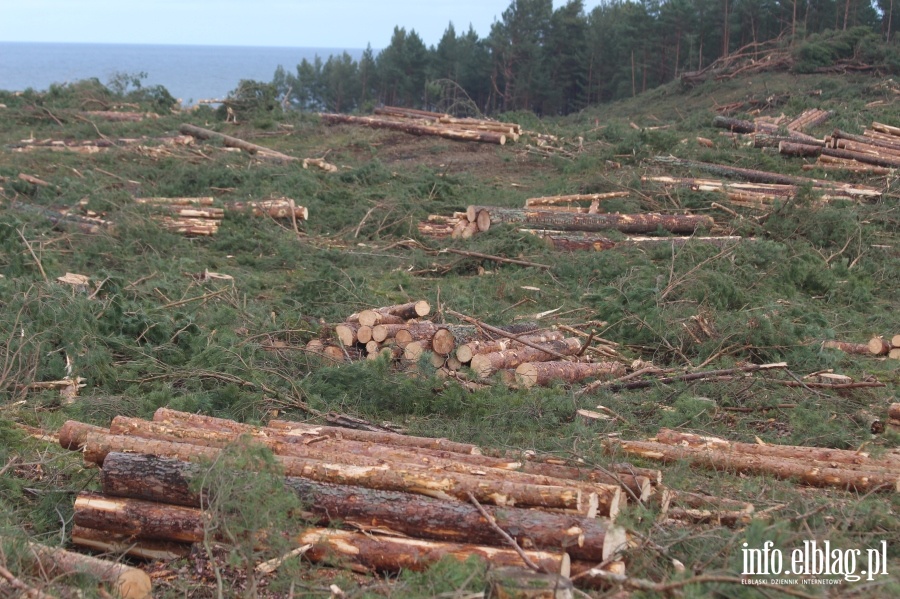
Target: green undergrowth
point(149, 331)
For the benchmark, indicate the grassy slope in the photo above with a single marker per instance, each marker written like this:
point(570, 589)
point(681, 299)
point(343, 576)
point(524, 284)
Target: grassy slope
point(815, 275)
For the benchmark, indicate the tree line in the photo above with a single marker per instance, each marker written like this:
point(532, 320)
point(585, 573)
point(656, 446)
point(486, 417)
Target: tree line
point(559, 61)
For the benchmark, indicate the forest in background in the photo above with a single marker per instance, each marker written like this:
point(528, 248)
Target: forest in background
point(555, 62)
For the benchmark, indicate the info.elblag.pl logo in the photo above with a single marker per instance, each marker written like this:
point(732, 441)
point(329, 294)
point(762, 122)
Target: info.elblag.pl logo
point(815, 559)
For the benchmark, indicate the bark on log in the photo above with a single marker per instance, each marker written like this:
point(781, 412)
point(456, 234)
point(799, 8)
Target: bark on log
point(409, 113)
point(519, 583)
point(811, 474)
point(895, 341)
point(363, 334)
point(310, 431)
point(199, 201)
point(467, 351)
point(125, 581)
point(390, 477)
point(541, 374)
point(626, 223)
point(234, 142)
point(863, 139)
point(156, 479)
point(372, 318)
point(139, 518)
point(847, 347)
point(741, 126)
point(112, 543)
point(889, 130)
point(416, 129)
point(881, 159)
point(866, 148)
point(73, 434)
point(787, 148)
point(799, 452)
point(383, 332)
point(486, 364)
point(415, 331)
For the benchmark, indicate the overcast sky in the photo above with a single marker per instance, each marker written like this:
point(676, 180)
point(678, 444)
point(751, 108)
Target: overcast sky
point(293, 23)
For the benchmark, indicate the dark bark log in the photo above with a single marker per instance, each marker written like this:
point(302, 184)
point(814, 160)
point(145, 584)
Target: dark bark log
point(863, 139)
point(139, 518)
point(626, 223)
point(883, 159)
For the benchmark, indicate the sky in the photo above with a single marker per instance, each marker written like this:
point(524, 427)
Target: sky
point(289, 23)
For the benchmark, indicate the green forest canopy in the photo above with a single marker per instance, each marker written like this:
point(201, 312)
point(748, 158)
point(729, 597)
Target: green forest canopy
point(558, 61)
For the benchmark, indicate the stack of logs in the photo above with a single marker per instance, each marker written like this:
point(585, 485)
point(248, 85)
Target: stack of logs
point(423, 122)
point(563, 222)
point(815, 466)
point(768, 132)
point(524, 354)
point(400, 502)
point(877, 346)
point(97, 145)
point(198, 216)
point(877, 151)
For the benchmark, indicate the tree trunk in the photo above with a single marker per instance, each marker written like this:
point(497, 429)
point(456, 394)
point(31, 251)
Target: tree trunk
point(416, 129)
point(51, 562)
point(347, 332)
point(390, 477)
point(810, 473)
point(111, 543)
point(541, 374)
point(234, 142)
point(626, 223)
point(486, 364)
point(312, 431)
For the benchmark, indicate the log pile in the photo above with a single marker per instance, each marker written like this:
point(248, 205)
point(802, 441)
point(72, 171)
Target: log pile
point(422, 122)
point(815, 466)
point(400, 502)
point(875, 152)
point(197, 216)
point(522, 353)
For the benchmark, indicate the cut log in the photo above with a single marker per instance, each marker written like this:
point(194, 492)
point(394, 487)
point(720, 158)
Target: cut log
point(518, 583)
point(123, 117)
point(799, 452)
point(889, 130)
point(410, 113)
point(199, 201)
point(363, 334)
point(415, 129)
point(350, 453)
point(467, 351)
point(788, 148)
point(486, 364)
point(389, 477)
point(894, 354)
point(568, 199)
point(862, 139)
point(847, 347)
point(894, 411)
point(414, 350)
point(156, 479)
point(883, 159)
point(234, 142)
point(703, 509)
point(126, 582)
point(73, 434)
point(383, 332)
point(878, 346)
point(139, 518)
point(626, 223)
point(415, 331)
point(112, 543)
point(372, 318)
point(443, 342)
point(311, 431)
point(813, 474)
point(347, 333)
point(541, 374)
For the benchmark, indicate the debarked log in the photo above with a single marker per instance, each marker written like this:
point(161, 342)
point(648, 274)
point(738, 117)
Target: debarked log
point(450, 132)
point(125, 581)
point(541, 374)
point(570, 221)
point(313, 431)
point(809, 473)
point(391, 477)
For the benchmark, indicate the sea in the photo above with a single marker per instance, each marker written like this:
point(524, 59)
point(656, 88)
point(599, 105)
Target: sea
point(190, 73)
